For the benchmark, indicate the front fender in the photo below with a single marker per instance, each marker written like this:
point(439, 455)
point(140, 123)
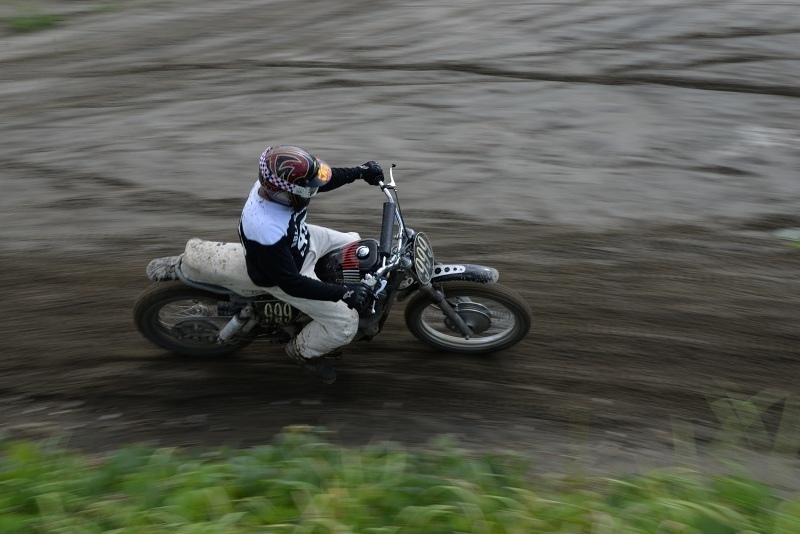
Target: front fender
point(464, 272)
point(456, 272)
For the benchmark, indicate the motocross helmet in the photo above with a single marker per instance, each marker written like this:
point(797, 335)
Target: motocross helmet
point(291, 176)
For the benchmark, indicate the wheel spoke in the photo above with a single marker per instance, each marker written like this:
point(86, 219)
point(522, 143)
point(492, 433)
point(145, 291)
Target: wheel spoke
point(191, 321)
point(184, 320)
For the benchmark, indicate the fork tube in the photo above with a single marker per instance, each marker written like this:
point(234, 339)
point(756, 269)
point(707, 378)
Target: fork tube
point(448, 311)
point(387, 227)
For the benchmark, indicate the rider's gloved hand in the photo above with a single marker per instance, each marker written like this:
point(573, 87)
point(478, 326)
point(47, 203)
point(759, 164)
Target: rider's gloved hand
point(357, 296)
point(371, 172)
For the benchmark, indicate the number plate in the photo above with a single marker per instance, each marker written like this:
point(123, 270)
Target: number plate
point(423, 258)
point(278, 313)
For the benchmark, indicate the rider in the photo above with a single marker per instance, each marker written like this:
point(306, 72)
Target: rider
point(281, 250)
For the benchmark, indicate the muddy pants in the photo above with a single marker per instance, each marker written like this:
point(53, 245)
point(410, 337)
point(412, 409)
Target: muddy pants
point(334, 324)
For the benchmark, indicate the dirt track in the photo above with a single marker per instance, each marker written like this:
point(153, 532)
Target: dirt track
point(625, 344)
point(639, 192)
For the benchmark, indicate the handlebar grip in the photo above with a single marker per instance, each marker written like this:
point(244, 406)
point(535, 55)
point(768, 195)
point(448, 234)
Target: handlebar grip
point(387, 227)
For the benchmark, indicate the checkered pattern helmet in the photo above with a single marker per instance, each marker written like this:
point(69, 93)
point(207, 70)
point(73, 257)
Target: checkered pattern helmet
point(290, 175)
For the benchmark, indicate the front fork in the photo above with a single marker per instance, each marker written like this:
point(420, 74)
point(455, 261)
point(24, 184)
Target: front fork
point(438, 298)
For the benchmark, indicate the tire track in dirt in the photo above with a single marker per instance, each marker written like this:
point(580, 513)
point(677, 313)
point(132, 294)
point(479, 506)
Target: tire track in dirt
point(619, 77)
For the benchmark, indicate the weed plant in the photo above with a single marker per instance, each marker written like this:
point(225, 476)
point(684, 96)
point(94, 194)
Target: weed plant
point(303, 483)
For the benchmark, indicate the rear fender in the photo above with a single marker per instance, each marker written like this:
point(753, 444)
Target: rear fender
point(169, 268)
point(163, 269)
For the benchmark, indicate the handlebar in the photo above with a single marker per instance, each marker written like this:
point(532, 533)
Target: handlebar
point(391, 213)
point(391, 255)
point(391, 185)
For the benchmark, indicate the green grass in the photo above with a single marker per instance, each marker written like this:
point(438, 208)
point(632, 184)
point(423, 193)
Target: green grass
point(31, 20)
point(27, 16)
point(303, 483)
point(790, 235)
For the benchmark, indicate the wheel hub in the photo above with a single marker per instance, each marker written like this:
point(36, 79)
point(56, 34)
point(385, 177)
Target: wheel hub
point(196, 330)
point(476, 316)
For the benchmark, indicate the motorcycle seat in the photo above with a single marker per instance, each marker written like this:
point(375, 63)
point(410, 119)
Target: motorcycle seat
point(219, 264)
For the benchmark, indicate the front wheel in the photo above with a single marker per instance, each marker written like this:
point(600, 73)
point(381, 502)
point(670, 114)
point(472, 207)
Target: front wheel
point(183, 320)
point(498, 317)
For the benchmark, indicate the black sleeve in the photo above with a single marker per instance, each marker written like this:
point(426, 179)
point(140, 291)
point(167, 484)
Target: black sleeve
point(273, 265)
point(341, 176)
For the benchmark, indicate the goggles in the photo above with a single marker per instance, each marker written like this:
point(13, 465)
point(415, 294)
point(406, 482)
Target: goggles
point(305, 192)
point(323, 177)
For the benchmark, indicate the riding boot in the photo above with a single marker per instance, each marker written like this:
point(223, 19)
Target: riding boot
point(316, 366)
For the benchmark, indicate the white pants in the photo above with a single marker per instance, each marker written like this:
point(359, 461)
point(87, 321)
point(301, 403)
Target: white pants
point(334, 324)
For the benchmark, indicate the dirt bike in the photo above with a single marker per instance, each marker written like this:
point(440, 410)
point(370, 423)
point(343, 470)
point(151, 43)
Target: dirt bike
point(203, 303)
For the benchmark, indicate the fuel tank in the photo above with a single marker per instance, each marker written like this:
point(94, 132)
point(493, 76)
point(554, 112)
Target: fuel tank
point(348, 264)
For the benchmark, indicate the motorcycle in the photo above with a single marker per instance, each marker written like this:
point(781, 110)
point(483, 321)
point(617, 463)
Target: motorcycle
point(203, 304)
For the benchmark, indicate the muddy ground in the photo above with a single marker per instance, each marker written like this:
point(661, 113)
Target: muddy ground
point(623, 165)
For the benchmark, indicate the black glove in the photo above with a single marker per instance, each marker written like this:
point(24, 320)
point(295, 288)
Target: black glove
point(370, 172)
point(357, 296)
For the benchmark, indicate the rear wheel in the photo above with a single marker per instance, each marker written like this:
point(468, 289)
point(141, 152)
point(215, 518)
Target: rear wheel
point(498, 317)
point(183, 320)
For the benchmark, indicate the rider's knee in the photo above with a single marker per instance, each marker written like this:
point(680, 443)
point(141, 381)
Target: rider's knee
point(350, 326)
